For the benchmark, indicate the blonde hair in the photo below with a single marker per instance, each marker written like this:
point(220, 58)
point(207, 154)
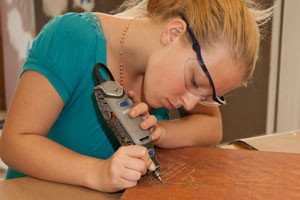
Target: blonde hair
point(235, 22)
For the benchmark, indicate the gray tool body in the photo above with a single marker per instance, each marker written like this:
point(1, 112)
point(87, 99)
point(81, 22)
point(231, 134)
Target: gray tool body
point(115, 105)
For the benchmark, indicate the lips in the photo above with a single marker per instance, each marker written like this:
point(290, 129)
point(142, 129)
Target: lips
point(169, 105)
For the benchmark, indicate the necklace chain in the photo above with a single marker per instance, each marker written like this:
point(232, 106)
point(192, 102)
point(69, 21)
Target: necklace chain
point(122, 51)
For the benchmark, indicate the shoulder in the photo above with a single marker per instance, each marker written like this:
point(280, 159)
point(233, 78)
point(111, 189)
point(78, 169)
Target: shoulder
point(63, 51)
point(74, 26)
point(66, 33)
point(70, 21)
point(69, 28)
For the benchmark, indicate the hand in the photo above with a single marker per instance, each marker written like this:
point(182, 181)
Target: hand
point(122, 170)
point(150, 121)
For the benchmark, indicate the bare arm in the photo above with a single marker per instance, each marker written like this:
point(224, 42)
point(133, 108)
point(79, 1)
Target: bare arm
point(200, 126)
point(24, 147)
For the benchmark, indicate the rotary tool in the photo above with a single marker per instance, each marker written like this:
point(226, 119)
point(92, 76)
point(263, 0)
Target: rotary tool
point(115, 104)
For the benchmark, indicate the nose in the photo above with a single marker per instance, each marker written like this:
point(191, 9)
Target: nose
point(189, 100)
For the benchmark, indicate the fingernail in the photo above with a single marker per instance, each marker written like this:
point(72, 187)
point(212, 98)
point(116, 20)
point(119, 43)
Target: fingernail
point(152, 167)
point(144, 125)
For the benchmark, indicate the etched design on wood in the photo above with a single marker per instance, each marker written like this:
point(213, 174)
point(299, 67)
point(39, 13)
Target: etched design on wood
point(176, 172)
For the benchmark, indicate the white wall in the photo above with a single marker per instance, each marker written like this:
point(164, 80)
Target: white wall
point(274, 67)
point(288, 104)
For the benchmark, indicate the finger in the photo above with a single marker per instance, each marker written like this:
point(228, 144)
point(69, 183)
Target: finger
point(127, 184)
point(152, 129)
point(133, 96)
point(150, 165)
point(155, 135)
point(149, 122)
point(140, 152)
point(131, 175)
point(139, 109)
point(137, 151)
point(136, 164)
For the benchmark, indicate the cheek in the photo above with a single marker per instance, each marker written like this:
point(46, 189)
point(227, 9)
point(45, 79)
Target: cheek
point(165, 78)
point(159, 86)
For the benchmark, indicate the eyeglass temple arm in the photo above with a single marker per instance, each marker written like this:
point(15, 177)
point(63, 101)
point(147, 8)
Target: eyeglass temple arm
point(197, 48)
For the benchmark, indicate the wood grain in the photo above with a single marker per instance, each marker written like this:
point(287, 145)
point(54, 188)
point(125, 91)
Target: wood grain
point(28, 188)
point(212, 173)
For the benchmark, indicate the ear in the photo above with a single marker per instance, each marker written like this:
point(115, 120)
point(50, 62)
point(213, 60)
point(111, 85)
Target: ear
point(174, 28)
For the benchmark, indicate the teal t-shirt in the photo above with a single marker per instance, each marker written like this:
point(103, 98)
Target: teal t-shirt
point(65, 52)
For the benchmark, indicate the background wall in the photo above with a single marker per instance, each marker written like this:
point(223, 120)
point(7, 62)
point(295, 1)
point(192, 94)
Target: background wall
point(245, 114)
point(276, 81)
point(288, 96)
point(17, 35)
point(2, 91)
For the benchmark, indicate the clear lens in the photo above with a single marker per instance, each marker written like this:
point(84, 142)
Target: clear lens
point(198, 84)
point(209, 102)
point(195, 79)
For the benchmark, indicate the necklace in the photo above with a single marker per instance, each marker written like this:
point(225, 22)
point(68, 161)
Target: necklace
point(122, 51)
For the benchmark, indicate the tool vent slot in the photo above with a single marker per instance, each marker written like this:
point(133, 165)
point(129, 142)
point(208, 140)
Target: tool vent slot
point(144, 139)
point(101, 99)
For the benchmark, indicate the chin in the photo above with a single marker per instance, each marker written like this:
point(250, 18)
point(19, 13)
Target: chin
point(151, 102)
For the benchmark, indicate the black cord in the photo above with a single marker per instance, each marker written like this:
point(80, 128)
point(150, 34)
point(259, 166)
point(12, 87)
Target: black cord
point(98, 76)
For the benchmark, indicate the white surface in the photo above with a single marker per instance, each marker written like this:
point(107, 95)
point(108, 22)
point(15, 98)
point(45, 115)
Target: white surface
point(288, 117)
point(274, 67)
point(19, 38)
point(2, 165)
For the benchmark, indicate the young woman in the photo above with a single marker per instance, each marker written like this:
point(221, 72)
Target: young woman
point(182, 54)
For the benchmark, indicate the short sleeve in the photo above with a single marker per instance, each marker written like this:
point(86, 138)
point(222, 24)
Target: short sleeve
point(161, 113)
point(62, 51)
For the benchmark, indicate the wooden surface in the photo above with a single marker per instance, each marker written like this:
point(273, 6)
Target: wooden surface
point(211, 173)
point(28, 188)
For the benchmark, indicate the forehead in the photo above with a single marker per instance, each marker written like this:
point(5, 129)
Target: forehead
point(225, 70)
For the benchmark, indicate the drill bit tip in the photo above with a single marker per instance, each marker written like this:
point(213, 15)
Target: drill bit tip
point(159, 178)
point(156, 172)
